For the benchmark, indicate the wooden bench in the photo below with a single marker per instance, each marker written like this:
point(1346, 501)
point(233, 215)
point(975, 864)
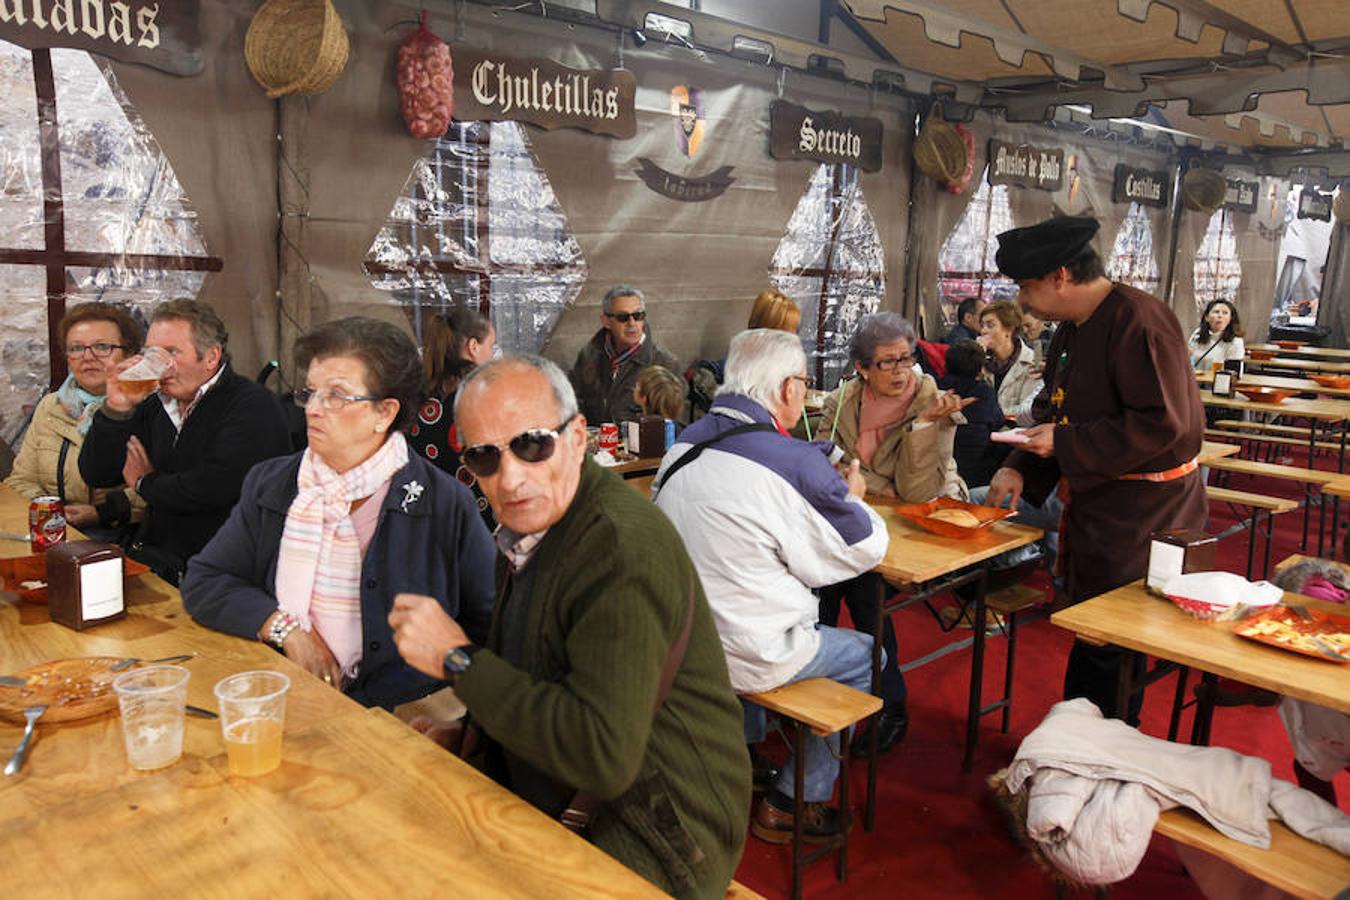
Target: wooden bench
point(1008, 603)
point(826, 707)
point(738, 891)
point(1256, 504)
point(1308, 478)
point(1223, 434)
point(1293, 864)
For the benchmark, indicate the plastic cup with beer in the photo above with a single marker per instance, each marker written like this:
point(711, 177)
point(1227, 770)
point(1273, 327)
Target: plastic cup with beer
point(142, 377)
point(252, 716)
point(152, 701)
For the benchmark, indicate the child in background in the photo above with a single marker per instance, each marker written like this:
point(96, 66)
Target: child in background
point(660, 392)
point(977, 458)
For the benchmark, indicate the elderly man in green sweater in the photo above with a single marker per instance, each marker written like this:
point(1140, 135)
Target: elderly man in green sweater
point(602, 684)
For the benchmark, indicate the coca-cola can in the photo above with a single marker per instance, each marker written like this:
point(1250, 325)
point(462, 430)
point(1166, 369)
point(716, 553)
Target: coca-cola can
point(609, 437)
point(46, 523)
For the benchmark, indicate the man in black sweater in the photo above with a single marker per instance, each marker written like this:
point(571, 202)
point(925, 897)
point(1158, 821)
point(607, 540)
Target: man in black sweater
point(187, 446)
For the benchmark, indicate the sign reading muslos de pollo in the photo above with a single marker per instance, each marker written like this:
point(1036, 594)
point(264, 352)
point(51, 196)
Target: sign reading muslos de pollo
point(491, 87)
point(1149, 187)
point(796, 132)
point(1025, 165)
point(163, 35)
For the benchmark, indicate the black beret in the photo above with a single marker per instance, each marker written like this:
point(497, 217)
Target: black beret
point(1038, 250)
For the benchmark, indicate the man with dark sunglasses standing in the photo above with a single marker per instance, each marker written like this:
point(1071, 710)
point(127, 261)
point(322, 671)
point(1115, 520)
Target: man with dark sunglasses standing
point(607, 367)
point(602, 688)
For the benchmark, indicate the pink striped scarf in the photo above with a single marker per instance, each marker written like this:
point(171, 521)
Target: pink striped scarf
point(319, 565)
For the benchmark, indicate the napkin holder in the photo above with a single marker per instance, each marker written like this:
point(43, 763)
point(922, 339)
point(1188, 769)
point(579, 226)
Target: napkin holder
point(84, 584)
point(646, 437)
point(1177, 552)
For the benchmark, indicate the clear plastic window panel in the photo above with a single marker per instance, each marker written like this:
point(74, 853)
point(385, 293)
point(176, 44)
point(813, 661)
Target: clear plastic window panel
point(23, 346)
point(1217, 271)
point(478, 225)
point(966, 261)
point(831, 255)
point(1132, 260)
point(1301, 264)
point(21, 221)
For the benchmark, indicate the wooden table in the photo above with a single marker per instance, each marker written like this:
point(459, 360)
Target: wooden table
point(1298, 365)
point(1212, 450)
point(1306, 350)
point(1303, 385)
point(637, 468)
point(360, 803)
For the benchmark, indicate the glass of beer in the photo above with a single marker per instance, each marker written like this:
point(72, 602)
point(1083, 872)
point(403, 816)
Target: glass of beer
point(252, 717)
point(142, 377)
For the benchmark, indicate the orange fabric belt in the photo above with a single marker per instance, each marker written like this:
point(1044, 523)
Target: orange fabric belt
point(1170, 475)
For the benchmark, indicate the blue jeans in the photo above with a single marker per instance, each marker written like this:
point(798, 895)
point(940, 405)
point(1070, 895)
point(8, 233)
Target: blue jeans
point(844, 656)
point(1045, 517)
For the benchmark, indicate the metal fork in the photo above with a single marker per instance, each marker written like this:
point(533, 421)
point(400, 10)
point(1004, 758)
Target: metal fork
point(129, 661)
point(31, 714)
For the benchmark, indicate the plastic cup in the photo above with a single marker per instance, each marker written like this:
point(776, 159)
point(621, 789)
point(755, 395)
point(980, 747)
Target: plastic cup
point(252, 717)
point(143, 376)
point(152, 701)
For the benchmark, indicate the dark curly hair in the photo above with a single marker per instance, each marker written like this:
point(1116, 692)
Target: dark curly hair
point(389, 355)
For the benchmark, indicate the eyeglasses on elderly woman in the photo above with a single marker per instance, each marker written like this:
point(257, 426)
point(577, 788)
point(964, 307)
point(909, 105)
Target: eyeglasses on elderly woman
point(890, 364)
point(330, 400)
point(534, 446)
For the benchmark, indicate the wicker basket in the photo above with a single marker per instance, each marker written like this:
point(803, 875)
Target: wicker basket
point(1203, 190)
point(939, 150)
point(296, 46)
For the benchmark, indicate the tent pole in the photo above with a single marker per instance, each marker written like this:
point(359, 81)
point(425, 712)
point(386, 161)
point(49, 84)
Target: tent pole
point(1174, 240)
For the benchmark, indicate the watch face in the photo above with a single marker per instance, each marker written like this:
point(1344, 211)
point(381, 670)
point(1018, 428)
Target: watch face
point(457, 660)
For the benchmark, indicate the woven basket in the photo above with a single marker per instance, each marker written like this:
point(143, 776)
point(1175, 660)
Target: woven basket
point(1203, 190)
point(296, 46)
point(939, 150)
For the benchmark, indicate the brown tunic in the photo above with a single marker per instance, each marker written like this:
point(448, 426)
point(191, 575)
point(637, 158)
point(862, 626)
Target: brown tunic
point(1121, 390)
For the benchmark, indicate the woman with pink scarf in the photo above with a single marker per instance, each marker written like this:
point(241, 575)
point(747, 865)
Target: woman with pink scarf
point(321, 542)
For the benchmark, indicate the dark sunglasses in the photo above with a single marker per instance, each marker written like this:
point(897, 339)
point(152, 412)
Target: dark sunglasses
point(533, 446)
point(637, 316)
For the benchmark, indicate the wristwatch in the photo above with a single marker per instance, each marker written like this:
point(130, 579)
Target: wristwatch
point(458, 660)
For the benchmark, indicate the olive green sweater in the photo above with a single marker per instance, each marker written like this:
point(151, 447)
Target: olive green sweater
point(608, 595)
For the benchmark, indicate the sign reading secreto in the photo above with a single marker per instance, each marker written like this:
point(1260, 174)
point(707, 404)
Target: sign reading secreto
point(796, 132)
point(1150, 187)
point(1241, 195)
point(490, 87)
point(1313, 204)
point(163, 35)
point(1026, 166)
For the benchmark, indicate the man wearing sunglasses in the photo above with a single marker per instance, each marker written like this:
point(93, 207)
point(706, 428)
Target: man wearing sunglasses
point(607, 368)
point(602, 684)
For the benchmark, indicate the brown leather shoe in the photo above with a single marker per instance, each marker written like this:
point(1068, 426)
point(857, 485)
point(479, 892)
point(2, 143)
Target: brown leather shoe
point(820, 823)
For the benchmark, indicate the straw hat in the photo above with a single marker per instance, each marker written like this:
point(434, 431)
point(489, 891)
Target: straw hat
point(1203, 190)
point(939, 150)
point(296, 46)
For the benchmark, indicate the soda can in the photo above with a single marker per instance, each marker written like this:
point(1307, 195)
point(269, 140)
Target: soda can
point(46, 523)
point(609, 437)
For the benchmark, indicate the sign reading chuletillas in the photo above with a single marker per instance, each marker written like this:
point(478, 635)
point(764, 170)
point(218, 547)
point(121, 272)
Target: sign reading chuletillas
point(1150, 187)
point(163, 35)
point(796, 132)
point(1241, 195)
point(491, 87)
point(1313, 204)
point(1025, 165)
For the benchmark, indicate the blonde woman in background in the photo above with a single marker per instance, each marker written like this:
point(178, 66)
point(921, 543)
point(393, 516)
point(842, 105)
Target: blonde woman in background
point(660, 392)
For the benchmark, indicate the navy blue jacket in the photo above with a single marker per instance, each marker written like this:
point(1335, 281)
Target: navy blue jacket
point(435, 545)
point(977, 458)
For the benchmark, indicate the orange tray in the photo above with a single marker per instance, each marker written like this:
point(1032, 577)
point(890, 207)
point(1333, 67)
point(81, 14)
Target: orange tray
point(71, 689)
point(19, 569)
point(921, 514)
point(1261, 355)
point(1281, 627)
point(1339, 382)
point(1265, 394)
point(1288, 345)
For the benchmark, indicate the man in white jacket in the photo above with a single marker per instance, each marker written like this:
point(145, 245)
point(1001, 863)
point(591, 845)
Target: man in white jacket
point(766, 518)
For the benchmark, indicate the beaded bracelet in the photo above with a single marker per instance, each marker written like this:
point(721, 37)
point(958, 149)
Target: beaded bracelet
point(282, 626)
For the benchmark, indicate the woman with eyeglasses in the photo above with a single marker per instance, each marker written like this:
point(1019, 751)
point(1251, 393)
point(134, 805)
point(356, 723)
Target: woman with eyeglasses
point(96, 337)
point(321, 541)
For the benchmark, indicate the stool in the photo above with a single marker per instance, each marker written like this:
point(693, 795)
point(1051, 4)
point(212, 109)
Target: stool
point(1008, 603)
point(826, 707)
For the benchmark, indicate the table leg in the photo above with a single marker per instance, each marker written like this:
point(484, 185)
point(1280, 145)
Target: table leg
point(976, 673)
point(1178, 700)
point(1270, 533)
point(845, 804)
point(1125, 684)
point(798, 804)
point(1252, 523)
point(873, 738)
point(1204, 709)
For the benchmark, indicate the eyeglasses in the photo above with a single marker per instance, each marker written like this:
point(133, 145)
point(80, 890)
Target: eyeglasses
point(330, 400)
point(534, 446)
point(636, 316)
point(806, 380)
point(101, 350)
point(890, 365)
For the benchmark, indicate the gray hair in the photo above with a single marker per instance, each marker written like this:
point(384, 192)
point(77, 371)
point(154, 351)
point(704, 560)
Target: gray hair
point(759, 361)
point(622, 290)
point(491, 371)
point(207, 329)
point(879, 328)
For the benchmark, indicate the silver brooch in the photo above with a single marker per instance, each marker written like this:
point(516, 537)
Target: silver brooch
point(412, 491)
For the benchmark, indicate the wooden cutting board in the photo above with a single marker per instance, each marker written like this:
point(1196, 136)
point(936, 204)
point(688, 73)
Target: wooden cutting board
point(71, 689)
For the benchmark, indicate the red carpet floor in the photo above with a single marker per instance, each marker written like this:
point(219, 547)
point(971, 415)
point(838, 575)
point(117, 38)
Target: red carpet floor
point(938, 833)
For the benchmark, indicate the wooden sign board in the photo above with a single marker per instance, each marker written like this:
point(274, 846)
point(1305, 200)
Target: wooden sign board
point(1026, 166)
point(1241, 195)
point(493, 87)
point(163, 35)
point(1150, 187)
point(796, 132)
point(1313, 204)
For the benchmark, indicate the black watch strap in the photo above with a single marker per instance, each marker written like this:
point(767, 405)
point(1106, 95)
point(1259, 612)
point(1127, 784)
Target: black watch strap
point(458, 660)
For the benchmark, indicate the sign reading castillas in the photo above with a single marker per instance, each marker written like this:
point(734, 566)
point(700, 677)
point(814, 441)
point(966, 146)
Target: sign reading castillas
point(162, 35)
point(1149, 187)
point(1313, 204)
point(1241, 195)
point(796, 132)
point(491, 87)
point(1026, 166)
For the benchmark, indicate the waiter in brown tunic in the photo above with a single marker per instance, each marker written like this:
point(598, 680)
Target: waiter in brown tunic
point(1119, 425)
